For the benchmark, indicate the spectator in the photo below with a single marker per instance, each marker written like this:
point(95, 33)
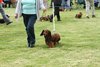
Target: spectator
point(6, 19)
point(57, 5)
point(96, 3)
point(63, 4)
point(68, 4)
point(99, 3)
point(90, 4)
point(7, 3)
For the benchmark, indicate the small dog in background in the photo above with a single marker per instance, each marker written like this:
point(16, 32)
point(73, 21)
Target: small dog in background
point(2, 20)
point(79, 15)
point(50, 39)
point(44, 18)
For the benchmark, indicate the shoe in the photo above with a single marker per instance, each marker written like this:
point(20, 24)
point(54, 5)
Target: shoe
point(51, 21)
point(28, 45)
point(87, 17)
point(32, 45)
point(93, 16)
point(58, 20)
point(8, 23)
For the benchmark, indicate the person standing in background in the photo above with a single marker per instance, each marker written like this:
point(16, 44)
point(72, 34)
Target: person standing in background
point(90, 5)
point(57, 5)
point(68, 4)
point(63, 4)
point(7, 3)
point(6, 19)
point(29, 9)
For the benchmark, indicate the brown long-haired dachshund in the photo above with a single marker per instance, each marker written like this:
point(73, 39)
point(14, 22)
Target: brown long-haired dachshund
point(79, 15)
point(44, 18)
point(50, 39)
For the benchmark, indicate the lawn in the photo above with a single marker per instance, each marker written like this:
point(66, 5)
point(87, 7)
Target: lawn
point(79, 45)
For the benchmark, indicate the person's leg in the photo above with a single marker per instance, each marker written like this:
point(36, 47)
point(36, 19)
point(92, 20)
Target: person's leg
point(92, 8)
point(26, 19)
point(30, 29)
point(63, 4)
point(56, 13)
point(9, 4)
point(68, 4)
point(5, 4)
point(99, 3)
point(6, 19)
point(87, 8)
point(84, 5)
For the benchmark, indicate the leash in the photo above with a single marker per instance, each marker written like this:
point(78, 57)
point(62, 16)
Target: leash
point(54, 27)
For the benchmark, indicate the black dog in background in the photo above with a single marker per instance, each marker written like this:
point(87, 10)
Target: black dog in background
point(2, 20)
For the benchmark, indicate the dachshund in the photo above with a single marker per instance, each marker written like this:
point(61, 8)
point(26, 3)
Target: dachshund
point(44, 18)
point(79, 15)
point(50, 39)
point(47, 18)
point(2, 20)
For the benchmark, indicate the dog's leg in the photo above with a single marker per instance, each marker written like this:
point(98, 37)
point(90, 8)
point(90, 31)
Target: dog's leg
point(49, 45)
point(52, 45)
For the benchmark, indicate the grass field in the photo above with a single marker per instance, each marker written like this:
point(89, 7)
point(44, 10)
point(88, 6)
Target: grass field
point(79, 45)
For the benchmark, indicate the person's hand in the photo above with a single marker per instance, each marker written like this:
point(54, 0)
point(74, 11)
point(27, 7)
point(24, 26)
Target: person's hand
point(44, 10)
point(16, 16)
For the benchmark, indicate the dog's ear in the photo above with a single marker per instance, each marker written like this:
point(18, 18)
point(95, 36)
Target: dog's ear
point(42, 33)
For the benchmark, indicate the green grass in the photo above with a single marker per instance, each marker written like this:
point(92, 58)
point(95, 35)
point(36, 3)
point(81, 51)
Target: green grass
point(79, 45)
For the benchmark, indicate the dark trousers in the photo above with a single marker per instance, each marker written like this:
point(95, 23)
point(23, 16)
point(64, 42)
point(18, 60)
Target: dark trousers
point(56, 12)
point(7, 3)
point(29, 21)
point(6, 19)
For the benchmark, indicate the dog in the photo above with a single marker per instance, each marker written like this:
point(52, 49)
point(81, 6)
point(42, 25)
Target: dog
point(50, 39)
point(44, 18)
point(79, 15)
point(2, 20)
point(47, 18)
